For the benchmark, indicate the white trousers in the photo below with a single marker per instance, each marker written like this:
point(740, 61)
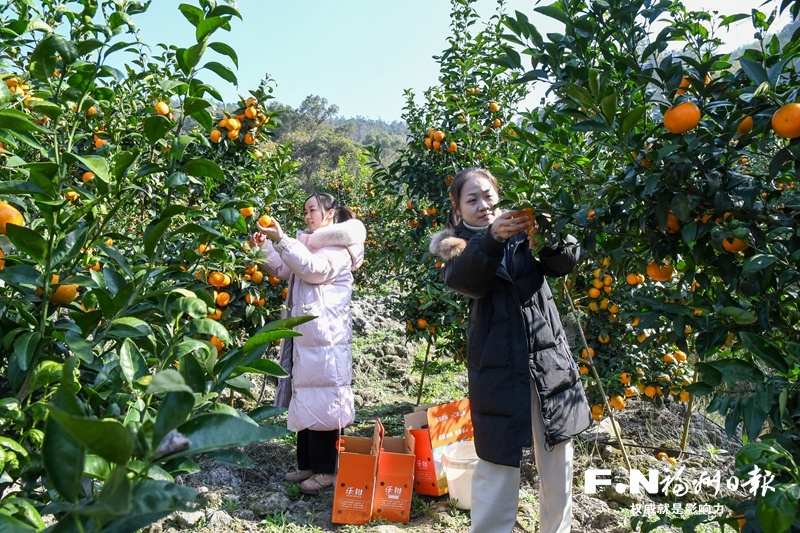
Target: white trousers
point(495, 488)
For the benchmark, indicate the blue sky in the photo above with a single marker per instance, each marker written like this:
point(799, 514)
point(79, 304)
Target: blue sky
point(358, 54)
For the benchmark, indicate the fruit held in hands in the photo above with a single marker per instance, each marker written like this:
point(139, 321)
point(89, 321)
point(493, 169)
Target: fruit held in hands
point(265, 221)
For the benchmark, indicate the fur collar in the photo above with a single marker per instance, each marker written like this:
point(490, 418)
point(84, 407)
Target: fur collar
point(345, 233)
point(446, 244)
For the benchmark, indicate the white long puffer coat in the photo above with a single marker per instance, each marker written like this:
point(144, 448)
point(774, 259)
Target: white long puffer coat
point(319, 267)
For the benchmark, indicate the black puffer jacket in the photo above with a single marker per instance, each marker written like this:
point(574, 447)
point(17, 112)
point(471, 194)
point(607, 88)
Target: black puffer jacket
point(514, 333)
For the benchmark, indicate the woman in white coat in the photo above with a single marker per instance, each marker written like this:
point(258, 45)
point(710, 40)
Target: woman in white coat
point(319, 265)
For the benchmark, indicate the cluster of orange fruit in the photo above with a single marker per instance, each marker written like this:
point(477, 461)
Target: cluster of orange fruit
point(600, 288)
point(685, 116)
point(242, 127)
point(435, 141)
point(421, 325)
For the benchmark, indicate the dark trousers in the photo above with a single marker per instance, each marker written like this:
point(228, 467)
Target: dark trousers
point(316, 450)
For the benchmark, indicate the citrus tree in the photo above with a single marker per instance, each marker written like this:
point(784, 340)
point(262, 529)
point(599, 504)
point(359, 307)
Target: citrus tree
point(677, 165)
point(464, 121)
point(130, 305)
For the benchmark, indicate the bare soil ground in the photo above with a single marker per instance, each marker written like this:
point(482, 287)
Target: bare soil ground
point(387, 383)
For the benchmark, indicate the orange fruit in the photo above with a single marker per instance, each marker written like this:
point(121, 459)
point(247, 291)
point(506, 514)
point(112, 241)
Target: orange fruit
point(91, 111)
point(251, 112)
point(9, 215)
point(251, 101)
point(672, 461)
point(2, 261)
point(493, 107)
point(436, 145)
point(274, 280)
point(247, 211)
point(265, 221)
point(421, 323)
point(64, 294)
point(497, 123)
point(203, 248)
point(86, 176)
point(219, 279)
point(223, 299)
point(625, 378)
point(617, 402)
point(162, 108)
point(649, 391)
point(673, 224)
point(604, 339)
point(249, 138)
point(583, 370)
point(217, 342)
point(452, 147)
point(428, 142)
point(257, 276)
point(232, 134)
point(216, 315)
point(786, 121)
point(215, 136)
point(669, 358)
point(630, 391)
point(632, 278)
point(597, 411)
point(684, 86)
point(734, 245)
point(659, 272)
point(682, 117)
point(285, 292)
point(589, 352)
point(594, 292)
point(684, 396)
point(591, 215)
point(745, 126)
point(662, 456)
point(438, 135)
point(680, 356)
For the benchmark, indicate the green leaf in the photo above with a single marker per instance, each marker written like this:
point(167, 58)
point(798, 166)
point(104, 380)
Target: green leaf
point(153, 234)
point(778, 509)
point(192, 104)
point(211, 432)
point(17, 121)
point(107, 438)
point(129, 326)
point(27, 241)
point(765, 350)
point(268, 337)
point(209, 26)
point(20, 187)
point(173, 411)
point(156, 127)
point(95, 163)
point(733, 371)
point(63, 457)
point(206, 326)
point(264, 366)
point(754, 70)
point(224, 49)
point(192, 13)
point(25, 348)
point(191, 56)
point(194, 307)
point(222, 71)
point(203, 168)
point(132, 362)
point(266, 411)
point(116, 497)
point(632, 118)
point(739, 315)
point(168, 380)
point(757, 263)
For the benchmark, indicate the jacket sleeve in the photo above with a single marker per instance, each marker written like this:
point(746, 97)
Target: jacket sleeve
point(273, 264)
point(560, 259)
point(317, 267)
point(472, 272)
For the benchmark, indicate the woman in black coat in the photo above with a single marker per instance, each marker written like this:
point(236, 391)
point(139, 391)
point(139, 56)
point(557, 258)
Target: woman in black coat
point(523, 380)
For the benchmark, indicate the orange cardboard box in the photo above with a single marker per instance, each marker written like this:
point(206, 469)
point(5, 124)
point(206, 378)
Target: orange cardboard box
point(394, 482)
point(355, 479)
point(433, 428)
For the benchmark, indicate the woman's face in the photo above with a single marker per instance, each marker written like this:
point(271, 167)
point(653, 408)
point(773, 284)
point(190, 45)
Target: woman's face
point(315, 217)
point(478, 197)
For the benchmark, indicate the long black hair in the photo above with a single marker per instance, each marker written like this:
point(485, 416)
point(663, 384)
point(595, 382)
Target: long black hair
point(457, 185)
point(326, 202)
